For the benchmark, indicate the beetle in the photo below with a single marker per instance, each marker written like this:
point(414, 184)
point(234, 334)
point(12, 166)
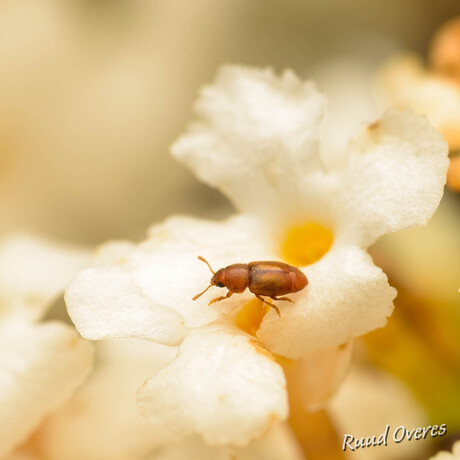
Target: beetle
point(263, 278)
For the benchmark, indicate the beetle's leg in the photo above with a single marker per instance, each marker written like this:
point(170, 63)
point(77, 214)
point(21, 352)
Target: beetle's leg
point(268, 303)
point(217, 299)
point(282, 298)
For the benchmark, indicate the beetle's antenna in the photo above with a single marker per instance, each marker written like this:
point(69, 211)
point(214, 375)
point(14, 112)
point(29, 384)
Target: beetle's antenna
point(201, 293)
point(207, 263)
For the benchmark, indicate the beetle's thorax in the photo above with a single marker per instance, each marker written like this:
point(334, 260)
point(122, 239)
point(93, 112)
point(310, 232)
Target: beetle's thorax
point(235, 277)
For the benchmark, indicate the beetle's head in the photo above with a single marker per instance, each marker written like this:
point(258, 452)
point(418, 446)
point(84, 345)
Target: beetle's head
point(219, 278)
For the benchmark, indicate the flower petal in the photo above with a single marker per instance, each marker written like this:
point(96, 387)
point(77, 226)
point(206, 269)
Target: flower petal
point(33, 272)
point(277, 443)
point(314, 378)
point(405, 83)
point(222, 385)
point(347, 296)
point(102, 421)
point(167, 271)
point(146, 291)
point(257, 126)
point(40, 368)
point(115, 252)
point(104, 303)
point(394, 179)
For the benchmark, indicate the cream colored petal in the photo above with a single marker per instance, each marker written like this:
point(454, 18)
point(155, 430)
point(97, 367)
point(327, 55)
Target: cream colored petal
point(33, 272)
point(404, 82)
point(394, 179)
point(314, 378)
point(444, 455)
point(278, 443)
point(146, 291)
point(102, 421)
point(222, 385)
point(257, 126)
point(347, 296)
point(167, 271)
point(104, 303)
point(40, 367)
point(115, 252)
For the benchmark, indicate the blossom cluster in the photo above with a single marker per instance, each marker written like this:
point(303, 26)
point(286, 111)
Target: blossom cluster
point(217, 378)
point(257, 140)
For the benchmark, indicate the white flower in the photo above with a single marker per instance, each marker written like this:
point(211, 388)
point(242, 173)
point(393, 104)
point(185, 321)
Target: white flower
point(41, 364)
point(406, 83)
point(102, 422)
point(231, 372)
point(257, 141)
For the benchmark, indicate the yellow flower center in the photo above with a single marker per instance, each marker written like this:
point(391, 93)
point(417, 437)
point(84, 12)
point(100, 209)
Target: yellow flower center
point(302, 245)
point(251, 315)
point(306, 244)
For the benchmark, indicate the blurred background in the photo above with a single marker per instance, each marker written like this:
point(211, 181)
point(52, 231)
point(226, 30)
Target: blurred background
point(93, 93)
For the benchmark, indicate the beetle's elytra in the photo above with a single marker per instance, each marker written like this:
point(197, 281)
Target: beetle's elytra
point(264, 278)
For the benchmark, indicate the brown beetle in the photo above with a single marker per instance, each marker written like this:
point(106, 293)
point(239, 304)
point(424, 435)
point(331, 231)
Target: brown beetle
point(264, 278)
